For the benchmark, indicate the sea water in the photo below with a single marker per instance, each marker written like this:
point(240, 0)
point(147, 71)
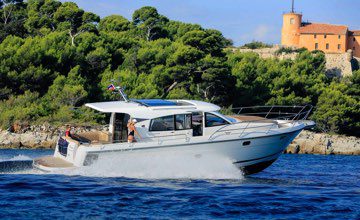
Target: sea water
point(296, 187)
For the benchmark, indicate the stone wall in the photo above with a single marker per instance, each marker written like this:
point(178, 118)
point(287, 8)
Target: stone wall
point(336, 64)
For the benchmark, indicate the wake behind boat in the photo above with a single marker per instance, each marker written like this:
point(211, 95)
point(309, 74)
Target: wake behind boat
point(251, 142)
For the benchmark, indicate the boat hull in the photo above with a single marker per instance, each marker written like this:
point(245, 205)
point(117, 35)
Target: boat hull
point(251, 155)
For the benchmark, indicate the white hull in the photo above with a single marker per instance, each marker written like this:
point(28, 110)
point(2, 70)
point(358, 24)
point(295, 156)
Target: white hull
point(252, 158)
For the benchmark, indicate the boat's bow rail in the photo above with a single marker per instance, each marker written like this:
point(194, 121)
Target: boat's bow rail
point(264, 119)
point(278, 112)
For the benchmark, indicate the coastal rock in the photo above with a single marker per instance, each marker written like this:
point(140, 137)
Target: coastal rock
point(33, 137)
point(319, 143)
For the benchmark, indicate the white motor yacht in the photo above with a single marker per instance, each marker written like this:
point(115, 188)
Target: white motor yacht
point(252, 143)
point(249, 141)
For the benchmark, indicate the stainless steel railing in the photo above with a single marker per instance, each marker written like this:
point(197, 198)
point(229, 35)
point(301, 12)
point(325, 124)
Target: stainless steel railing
point(267, 117)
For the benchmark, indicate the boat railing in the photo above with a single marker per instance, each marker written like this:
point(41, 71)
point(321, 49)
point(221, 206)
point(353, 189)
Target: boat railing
point(266, 120)
point(288, 112)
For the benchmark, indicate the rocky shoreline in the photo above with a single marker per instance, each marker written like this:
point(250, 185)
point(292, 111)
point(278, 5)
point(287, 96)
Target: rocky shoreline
point(45, 137)
point(321, 143)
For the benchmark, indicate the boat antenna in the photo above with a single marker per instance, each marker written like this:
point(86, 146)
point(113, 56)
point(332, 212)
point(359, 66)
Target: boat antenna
point(121, 92)
point(292, 7)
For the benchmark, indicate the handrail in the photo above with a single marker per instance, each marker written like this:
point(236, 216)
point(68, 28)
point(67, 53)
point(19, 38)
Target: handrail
point(288, 117)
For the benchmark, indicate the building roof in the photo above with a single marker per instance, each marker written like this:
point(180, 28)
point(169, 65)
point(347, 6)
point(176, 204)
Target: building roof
point(316, 28)
point(355, 33)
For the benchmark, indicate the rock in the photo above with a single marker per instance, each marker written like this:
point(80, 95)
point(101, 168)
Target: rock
point(320, 143)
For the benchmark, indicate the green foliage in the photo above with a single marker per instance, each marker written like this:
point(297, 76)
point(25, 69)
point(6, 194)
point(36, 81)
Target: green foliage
point(256, 45)
point(26, 108)
point(338, 111)
point(288, 50)
point(114, 23)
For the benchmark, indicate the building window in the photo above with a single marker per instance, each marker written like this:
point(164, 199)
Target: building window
point(292, 20)
point(339, 36)
point(316, 46)
point(339, 46)
point(314, 35)
point(325, 36)
point(354, 39)
point(327, 46)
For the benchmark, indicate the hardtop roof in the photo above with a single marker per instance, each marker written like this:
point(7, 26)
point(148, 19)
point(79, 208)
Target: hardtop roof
point(157, 107)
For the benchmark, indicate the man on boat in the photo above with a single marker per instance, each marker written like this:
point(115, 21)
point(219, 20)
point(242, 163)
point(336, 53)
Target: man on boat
point(132, 130)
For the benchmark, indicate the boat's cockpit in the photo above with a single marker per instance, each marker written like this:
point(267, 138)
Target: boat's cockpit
point(193, 124)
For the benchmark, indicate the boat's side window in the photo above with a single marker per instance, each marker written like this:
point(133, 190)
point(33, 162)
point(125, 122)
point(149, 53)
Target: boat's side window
point(165, 123)
point(183, 122)
point(213, 120)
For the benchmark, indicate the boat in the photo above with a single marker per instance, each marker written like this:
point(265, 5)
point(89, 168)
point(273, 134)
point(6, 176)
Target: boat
point(251, 140)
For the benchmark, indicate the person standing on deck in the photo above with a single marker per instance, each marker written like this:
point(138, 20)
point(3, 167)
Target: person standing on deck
point(132, 130)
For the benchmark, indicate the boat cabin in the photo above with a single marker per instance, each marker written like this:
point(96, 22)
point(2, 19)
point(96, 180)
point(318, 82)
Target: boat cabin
point(161, 118)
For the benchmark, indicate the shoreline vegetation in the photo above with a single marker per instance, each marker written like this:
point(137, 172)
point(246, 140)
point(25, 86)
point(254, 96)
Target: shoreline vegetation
point(308, 142)
point(55, 57)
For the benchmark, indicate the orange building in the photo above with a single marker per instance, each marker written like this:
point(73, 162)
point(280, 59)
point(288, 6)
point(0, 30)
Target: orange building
point(315, 36)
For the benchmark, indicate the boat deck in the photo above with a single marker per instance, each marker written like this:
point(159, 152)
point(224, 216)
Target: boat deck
point(52, 162)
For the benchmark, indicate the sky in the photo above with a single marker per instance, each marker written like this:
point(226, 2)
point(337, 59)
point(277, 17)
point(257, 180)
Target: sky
point(242, 21)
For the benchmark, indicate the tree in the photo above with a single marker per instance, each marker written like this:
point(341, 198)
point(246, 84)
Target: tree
point(337, 111)
point(12, 17)
point(114, 23)
point(68, 90)
point(70, 17)
point(41, 15)
point(8, 9)
point(150, 22)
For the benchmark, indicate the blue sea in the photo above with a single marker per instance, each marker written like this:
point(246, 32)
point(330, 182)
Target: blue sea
point(294, 187)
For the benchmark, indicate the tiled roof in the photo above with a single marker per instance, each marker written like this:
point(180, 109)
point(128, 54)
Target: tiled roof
point(316, 28)
point(355, 33)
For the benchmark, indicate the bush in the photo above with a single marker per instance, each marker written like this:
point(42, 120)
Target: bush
point(256, 45)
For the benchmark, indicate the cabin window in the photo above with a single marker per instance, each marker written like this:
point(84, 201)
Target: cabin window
point(339, 46)
point(327, 46)
point(292, 20)
point(165, 123)
point(316, 46)
point(183, 122)
point(213, 120)
point(339, 36)
point(325, 36)
point(314, 35)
